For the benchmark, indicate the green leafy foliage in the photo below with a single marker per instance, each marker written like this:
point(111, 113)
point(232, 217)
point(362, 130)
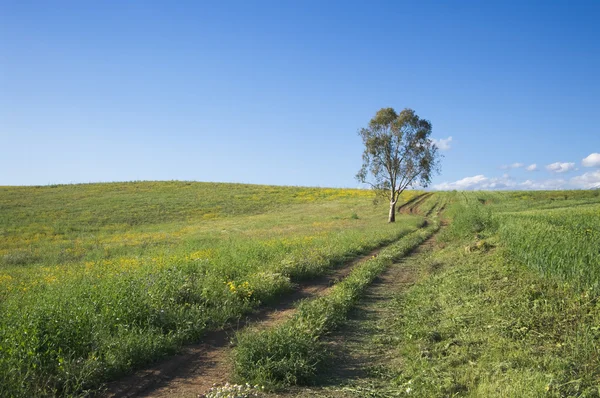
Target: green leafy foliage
point(398, 154)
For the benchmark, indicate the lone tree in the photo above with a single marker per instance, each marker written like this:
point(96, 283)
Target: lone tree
point(398, 154)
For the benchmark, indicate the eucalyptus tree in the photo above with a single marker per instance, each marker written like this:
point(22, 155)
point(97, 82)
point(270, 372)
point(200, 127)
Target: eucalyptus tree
point(398, 154)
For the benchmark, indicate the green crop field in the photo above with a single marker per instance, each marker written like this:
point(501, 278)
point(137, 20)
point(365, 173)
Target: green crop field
point(98, 280)
point(556, 233)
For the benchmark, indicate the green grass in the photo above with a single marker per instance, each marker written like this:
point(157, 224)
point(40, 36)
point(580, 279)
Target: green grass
point(506, 307)
point(563, 242)
point(100, 279)
point(293, 353)
point(555, 233)
point(479, 326)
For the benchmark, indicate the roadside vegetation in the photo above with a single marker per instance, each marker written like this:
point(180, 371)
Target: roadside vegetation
point(100, 279)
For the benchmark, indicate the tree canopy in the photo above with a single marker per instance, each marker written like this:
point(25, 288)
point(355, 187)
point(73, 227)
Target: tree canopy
point(398, 154)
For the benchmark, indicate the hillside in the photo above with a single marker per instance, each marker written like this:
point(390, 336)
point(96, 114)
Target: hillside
point(100, 279)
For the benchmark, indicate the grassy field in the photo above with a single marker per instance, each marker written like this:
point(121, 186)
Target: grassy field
point(293, 352)
point(525, 323)
point(527, 265)
point(505, 305)
point(99, 279)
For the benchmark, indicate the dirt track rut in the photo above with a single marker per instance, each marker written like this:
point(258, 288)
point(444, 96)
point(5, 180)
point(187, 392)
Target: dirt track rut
point(199, 366)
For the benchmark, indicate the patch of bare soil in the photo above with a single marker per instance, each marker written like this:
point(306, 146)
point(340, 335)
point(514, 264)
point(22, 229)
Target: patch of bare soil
point(398, 277)
point(355, 360)
point(199, 366)
point(412, 206)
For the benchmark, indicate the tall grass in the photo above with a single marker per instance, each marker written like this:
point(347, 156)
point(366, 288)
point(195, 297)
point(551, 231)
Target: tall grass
point(518, 321)
point(292, 353)
point(98, 279)
point(556, 233)
point(477, 325)
point(469, 220)
point(562, 242)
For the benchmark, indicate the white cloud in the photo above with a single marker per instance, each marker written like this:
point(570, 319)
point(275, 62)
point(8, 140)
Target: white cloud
point(531, 167)
point(593, 160)
point(559, 167)
point(465, 183)
point(478, 182)
point(512, 166)
point(504, 182)
point(543, 185)
point(443, 143)
point(587, 180)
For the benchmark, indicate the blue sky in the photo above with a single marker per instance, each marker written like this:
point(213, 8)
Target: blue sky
point(274, 92)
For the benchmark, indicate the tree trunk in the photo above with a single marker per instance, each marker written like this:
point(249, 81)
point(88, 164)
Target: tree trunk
point(392, 217)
